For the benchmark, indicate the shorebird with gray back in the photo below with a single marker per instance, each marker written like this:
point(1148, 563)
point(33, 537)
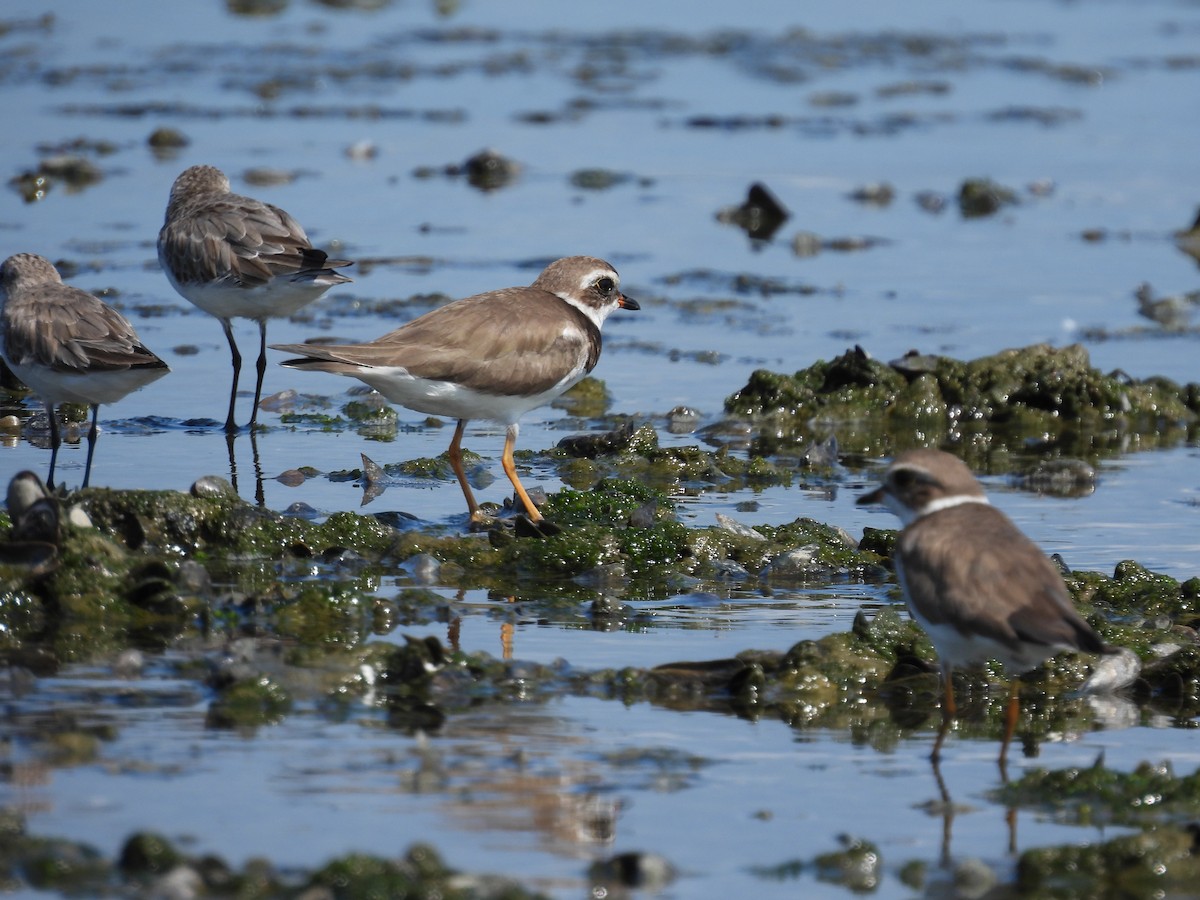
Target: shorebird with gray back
point(237, 257)
point(973, 581)
point(68, 346)
point(493, 356)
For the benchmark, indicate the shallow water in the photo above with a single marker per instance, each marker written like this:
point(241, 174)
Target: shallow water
point(1088, 101)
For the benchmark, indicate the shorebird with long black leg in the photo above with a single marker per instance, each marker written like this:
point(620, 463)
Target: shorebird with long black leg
point(973, 581)
point(493, 356)
point(68, 346)
point(237, 257)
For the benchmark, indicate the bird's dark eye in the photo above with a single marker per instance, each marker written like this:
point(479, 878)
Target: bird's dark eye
point(606, 286)
point(904, 478)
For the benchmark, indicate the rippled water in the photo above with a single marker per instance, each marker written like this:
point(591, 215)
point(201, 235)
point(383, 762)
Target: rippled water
point(1084, 109)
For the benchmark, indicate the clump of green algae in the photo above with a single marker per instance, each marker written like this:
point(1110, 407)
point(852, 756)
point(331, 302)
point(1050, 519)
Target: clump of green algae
point(996, 401)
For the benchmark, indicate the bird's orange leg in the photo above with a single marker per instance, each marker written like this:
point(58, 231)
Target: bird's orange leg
point(949, 711)
point(510, 469)
point(1010, 723)
point(455, 454)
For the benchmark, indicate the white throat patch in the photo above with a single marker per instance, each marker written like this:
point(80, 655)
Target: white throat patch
point(597, 315)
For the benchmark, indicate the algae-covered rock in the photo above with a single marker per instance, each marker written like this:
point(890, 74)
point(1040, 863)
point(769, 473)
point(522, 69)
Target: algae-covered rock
point(149, 865)
point(1039, 391)
point(248, 704)
point(368, 876)
point(1158, 862)
point(64, 867)
point(982, 197)
point(147, 853)
point(857, 866)
point(1097, 795)
point(1135, 589)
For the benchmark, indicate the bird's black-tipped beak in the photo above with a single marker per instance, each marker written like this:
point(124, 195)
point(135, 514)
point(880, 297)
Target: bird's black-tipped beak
point(628, 303)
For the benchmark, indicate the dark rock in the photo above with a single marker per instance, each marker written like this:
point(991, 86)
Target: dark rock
point(760, 215)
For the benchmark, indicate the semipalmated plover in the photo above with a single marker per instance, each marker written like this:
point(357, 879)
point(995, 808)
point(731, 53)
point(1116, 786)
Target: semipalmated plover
point(492, 356)
point(979, 587)
point(67, 346)
point(237, 257)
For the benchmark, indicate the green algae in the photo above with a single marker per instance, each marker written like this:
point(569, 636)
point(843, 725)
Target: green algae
point(313, 421)
point(127, 582)
point(321, 617)
point(249, 704)
point(588, 399)
point(1134, 589)
point(376, 415)
point(182, 525)
point(435, 467)
point(51, 864)
point(128, 575)
point(1150, 794)
point(147, 853)
point(882, 408)
point(1158, 862)
point(150, 864)
point(857, 866)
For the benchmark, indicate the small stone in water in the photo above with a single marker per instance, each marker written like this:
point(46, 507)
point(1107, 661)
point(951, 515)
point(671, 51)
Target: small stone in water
point(212, 486)
point(424, 568)
point(165, 138)
point(759, 215)
point(806, 244)
point(682, 420)
point(360, 151)
point(264, 176)
point(931, 201)
point(301, 510)
point(733, 526)
point(633, 869)
point(291, 478)
point(877, 194)
point(278, 401)
point(489, 170)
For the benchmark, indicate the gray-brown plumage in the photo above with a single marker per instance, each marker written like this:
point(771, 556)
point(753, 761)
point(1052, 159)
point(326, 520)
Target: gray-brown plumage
point(492, 356)
point(237, 257)
point(501, 358)
point(977, 585)
point(67, 346)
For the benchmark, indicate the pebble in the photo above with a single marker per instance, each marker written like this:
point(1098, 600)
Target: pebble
point(424, 568)
point(733, 526)
point(212, 486)
point(633, 869)
point(361, 151)
point(1113, 672)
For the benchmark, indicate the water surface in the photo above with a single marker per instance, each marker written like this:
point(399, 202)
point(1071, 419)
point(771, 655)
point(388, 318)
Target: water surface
point(1083, 109)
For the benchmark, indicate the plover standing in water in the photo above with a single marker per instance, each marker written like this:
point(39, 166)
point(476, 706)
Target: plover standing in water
point(973, 581)
point(492, 356)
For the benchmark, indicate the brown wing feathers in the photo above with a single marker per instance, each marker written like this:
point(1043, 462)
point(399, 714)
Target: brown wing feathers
point(431, 347)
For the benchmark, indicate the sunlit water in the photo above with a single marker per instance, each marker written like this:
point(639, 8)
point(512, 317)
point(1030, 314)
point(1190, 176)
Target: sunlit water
point(1090, 98)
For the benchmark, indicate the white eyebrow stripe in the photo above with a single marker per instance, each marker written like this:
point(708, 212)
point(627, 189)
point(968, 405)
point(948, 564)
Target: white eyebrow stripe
point(596, 275)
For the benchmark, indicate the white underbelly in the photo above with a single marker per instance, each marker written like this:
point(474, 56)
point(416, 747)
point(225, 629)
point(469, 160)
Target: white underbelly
point(92, 387)
point(443, 398)
point(278, 298)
